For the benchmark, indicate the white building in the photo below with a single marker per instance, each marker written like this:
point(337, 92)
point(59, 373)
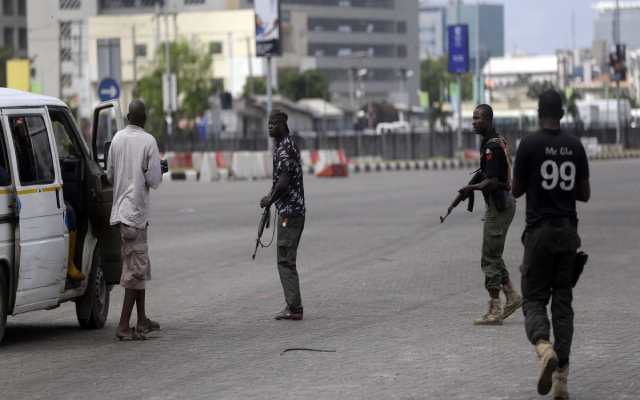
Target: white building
point(58, 36)
point(508, 71)
point(227, 35)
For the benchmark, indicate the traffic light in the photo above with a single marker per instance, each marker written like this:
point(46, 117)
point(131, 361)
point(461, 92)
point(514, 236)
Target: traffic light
point(617, 62)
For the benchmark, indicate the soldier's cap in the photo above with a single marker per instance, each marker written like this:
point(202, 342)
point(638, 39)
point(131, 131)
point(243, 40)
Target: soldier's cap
point(550, 104)
point(278, 117)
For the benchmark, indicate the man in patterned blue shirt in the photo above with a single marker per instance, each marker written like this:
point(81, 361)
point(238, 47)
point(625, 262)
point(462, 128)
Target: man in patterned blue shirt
point(287, 193)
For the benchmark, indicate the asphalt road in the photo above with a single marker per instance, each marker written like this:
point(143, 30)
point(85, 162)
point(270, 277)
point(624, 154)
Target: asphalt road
point(387, 287)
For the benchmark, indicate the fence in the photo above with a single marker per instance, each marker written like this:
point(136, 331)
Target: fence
point(390, 146)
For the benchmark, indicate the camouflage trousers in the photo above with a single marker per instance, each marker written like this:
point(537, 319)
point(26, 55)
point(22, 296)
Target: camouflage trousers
point(289, 233)
point(494, 235)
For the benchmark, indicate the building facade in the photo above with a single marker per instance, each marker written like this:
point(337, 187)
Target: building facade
point(124, 47)
point(59, 41)
point(490, 19)
point(432, 28)
point(629, 23)
point(13, 27)
point(368, 49)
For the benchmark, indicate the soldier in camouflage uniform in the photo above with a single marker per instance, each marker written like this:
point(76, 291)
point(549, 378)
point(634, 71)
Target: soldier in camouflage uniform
point(287, 193)
point(495, 184)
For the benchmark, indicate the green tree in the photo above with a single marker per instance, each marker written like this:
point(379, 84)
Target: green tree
point(535, 89)
point(192, 67)
point(435, 79)
point(297, 85)
point(5, 55)
point(570, 99)
point(259, 86)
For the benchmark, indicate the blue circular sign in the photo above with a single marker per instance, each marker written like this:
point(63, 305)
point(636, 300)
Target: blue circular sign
point(108, 89)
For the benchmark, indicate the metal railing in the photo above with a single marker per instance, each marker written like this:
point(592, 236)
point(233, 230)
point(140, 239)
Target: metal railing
point(390, 146)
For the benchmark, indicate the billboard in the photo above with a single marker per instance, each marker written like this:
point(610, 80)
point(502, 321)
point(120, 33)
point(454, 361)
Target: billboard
point(458, 48)
point(19, 74)
point(267, 14)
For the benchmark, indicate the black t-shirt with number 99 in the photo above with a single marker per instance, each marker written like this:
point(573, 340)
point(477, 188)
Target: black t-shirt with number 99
point(549, 164)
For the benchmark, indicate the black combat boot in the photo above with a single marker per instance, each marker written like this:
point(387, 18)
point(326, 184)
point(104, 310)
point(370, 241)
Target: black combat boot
point(291, 314)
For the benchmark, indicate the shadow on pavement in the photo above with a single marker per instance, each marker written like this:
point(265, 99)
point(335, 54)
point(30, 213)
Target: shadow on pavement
point(31, 333)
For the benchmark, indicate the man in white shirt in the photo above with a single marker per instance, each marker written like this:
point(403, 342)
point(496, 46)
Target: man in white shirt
point(134, 167)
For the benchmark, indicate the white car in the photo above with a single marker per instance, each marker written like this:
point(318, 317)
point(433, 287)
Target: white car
point(45, 165)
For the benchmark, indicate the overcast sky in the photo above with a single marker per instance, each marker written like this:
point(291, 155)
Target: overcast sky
point(541, 26)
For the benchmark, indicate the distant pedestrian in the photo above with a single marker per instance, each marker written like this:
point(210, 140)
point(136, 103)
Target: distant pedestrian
point(287, 193)
point(552, 169)
point(495, 183)
point(134, 166)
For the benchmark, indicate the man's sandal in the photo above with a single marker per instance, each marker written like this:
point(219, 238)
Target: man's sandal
point(132, 334)
point(149, 326)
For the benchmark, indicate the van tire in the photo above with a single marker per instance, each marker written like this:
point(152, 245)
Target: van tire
point(4, 297)
point(92, 308)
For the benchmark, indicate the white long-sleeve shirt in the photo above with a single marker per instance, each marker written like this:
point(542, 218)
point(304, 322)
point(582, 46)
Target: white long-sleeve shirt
point(133, 168)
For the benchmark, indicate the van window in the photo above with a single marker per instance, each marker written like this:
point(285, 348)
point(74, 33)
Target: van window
point(5, 176)
point(67, 143)
point(33, 151)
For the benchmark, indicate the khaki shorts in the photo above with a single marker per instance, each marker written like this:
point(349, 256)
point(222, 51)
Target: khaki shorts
point(136, 266)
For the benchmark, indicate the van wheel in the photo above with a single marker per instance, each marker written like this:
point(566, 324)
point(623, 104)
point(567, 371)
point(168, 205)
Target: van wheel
point(92, 308)
point(4, 296)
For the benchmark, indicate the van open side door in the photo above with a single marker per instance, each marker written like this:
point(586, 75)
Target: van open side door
point(107, 120)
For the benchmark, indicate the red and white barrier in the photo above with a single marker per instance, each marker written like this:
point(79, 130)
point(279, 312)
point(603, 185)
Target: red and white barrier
point(330, 163)
point(250, 165)
point(208, 168)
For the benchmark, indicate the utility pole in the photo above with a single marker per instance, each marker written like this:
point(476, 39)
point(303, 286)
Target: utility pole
point(249, 61)
point(459, 79)
point(135, 62)
point(616, 39)
point(168, 79)
point(269, 91)
point(157, 30)
point(231, 62)
point(477, 63)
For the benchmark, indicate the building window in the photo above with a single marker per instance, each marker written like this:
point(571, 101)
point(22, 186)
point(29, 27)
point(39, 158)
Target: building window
point(215, 48)
point(115, 4)
point(65, 54)
point(402, 51)
point(9, 40)
point(343, 3)
point(22, 7)
point(285, 15)
point(345, 25)
point(344, 52)
point(402, 27)
point(141, 50)
point(65, 30)
point(193, 2)
point(7, 7)
point(22, 39)
point(66, 80)
point(69, 4)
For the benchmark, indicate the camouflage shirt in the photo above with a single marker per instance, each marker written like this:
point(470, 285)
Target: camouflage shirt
point(286, 159)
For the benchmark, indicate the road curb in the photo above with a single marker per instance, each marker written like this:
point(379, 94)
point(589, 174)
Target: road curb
point(413, 165)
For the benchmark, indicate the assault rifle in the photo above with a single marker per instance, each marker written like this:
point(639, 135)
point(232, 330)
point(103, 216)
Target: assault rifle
point(265, 221)
point(478, 177)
